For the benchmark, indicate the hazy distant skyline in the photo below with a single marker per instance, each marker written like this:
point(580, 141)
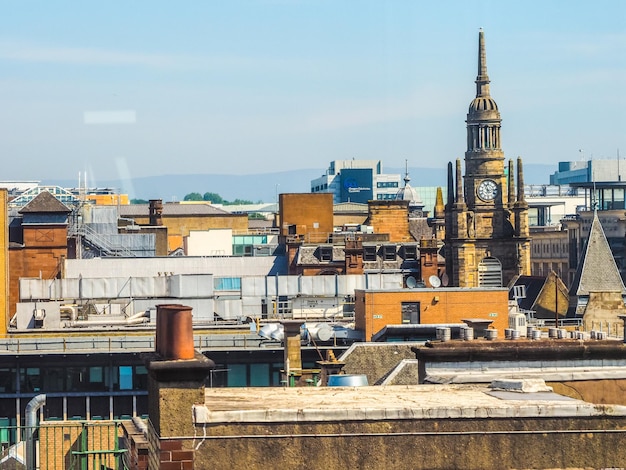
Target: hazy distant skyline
point(122, 90)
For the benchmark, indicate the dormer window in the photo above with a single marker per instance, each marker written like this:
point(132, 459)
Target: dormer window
point(369, 253)
point(389, 252)
point(410, 252)
point(326, 253)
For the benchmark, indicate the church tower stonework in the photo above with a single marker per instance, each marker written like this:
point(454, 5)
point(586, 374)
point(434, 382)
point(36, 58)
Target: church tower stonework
point(487, 240)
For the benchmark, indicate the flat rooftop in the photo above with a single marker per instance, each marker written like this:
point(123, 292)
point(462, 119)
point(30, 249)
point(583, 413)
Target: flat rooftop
point(392, 402)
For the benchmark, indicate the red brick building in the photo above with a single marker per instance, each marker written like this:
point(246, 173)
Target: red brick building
point(38, 242)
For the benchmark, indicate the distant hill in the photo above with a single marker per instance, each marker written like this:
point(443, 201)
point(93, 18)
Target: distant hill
point(265, 186)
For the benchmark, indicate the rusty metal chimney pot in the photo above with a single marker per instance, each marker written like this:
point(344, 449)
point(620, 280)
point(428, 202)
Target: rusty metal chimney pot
point(174, 332)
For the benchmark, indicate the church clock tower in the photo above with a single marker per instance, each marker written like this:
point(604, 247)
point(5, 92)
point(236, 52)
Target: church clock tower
point(487, 239)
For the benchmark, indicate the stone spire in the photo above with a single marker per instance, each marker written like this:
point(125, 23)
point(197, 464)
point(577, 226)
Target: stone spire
point(520, 208)
point(482, 80)
point(520, 181)
point(450, 187)
point(439, 208)
point(483, 117)
point(459, 183)
point(511, 184)
point(439, 221)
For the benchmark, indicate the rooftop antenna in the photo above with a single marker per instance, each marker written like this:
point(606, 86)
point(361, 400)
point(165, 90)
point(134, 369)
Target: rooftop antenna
point(406, 172)
point(594, 200)
point(619, 176)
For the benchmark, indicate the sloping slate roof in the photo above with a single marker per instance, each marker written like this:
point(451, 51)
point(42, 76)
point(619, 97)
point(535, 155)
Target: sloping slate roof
point(418, 228)
point(45, 202)
point(534, 285)
point(350, 207)
point(307, 255)
point(143, 210)
point(260, 223)
point(597, 271)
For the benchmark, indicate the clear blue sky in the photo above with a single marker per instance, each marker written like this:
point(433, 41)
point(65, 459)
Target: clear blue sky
point(259, 86)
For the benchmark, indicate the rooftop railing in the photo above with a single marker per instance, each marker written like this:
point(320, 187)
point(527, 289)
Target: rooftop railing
point(65, 444)
point(119, 344)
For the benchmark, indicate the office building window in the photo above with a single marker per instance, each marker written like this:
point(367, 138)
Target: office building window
point(30, 378)
point(7, 380)
point(126, 377)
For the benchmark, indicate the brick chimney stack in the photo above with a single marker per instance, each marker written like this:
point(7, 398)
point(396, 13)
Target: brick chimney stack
point(176, 378)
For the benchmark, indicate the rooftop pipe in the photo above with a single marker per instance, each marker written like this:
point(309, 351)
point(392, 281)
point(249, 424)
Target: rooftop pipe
point(31, 426)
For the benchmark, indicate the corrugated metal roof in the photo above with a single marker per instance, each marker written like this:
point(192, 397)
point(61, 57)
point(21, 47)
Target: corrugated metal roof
point(419, 229)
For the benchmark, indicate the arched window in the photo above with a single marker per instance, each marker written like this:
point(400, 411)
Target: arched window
point(490, 273)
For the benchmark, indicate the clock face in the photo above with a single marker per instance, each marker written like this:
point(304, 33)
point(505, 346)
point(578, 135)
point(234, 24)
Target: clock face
point(488, 190)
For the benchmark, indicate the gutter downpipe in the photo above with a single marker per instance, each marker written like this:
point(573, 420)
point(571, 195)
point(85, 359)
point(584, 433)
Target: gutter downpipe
point(31, 426)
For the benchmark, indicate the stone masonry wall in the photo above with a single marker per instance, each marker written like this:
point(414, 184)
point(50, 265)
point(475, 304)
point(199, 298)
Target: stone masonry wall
point(418, 444)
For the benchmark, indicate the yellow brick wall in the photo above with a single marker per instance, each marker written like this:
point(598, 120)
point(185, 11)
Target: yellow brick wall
point(108, 199)
point(58, 439)
point(312, 214)
point(4, 264)
point(390, 217)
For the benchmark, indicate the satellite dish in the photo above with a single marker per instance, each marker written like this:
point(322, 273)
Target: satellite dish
point(445, 280)
point(434, 281)
point(411, 282)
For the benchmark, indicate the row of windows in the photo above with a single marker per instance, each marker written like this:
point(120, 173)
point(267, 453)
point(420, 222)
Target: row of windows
point(122, 406)
point(389, 252)
point(387, 184)
point(321, 187)
point(543, 269)
point(372, 252)
point(252, 375)
point(73, 379)
point(251, 250)
point(381, 197)
point(554, 248)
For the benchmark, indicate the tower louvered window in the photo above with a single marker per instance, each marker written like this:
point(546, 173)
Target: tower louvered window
point(490, 273)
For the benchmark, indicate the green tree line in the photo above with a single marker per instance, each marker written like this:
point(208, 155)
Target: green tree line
point(213, 198)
